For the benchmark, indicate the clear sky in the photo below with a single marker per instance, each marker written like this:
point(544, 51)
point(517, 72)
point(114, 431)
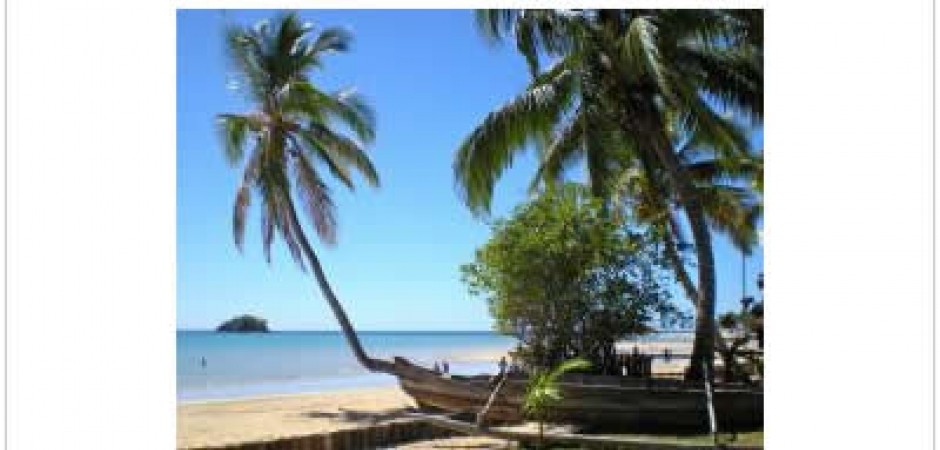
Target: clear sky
point(430, 78)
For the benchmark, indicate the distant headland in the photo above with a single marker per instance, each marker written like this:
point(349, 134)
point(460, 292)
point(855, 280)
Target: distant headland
point(244, 324)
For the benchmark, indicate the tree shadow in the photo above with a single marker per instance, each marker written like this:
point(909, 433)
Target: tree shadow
point(367, 417)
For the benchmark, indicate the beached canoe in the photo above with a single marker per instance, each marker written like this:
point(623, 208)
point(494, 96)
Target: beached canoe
point(598, 401)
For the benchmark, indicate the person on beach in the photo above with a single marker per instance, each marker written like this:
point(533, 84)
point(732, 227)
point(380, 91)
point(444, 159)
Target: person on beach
point(437, 368)
point(446, 367)
point(502, 365)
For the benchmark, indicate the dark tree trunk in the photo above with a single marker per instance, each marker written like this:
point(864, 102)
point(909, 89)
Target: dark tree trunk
point(672, 254)
point(727, 356)
point(642, 119)
point(703, 348)
point(374, 365)
point(650, 126)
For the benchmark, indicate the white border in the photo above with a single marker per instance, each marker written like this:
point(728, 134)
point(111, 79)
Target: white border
point(90, 219)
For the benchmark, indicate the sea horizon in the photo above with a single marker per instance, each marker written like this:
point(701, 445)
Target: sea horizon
point(295, 330)
point(215, 366)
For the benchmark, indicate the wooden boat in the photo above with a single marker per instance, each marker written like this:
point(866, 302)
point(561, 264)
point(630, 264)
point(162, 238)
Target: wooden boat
point(646, 405)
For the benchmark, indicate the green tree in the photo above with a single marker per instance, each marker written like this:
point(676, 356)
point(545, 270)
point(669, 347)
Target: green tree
point(621, 80)
point(568, 280)
point(729, 205)
point(543, 393)
point(746, 326)
point(291, 137)
point(245, 323)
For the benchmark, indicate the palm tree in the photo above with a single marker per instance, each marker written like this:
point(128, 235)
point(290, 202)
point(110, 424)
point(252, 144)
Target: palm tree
point(291, 138)
point(729, 206)
point(640, 72)
point(542, 392)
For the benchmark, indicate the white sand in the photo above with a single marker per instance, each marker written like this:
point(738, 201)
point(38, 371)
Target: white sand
point(216, 423)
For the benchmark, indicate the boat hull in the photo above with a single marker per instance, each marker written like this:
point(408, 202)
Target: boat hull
point(596, 401)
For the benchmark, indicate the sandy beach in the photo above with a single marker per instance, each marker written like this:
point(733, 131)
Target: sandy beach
point(216, 423)
point(225, 422)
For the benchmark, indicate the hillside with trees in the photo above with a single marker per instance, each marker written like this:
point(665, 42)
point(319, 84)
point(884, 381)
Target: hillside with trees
point(244, 324)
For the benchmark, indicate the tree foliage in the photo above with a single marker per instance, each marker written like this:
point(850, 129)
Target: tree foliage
point(293, 140)
point(542, 392)
point(245, 323)
point(293, 135)
point(567, 280)
point(623, 91)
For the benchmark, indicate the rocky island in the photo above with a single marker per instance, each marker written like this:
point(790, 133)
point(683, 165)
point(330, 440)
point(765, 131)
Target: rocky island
point(244, 324)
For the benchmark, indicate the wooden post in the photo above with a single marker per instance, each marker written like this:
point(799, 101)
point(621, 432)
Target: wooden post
point(712, 421)
point(481, 417)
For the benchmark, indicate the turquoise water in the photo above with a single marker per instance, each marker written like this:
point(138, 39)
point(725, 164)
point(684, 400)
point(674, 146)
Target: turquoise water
point(250, 365)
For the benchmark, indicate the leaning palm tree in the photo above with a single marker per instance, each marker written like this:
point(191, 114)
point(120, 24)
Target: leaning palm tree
point(729, 206)
point(290, 139)
point(640, 70)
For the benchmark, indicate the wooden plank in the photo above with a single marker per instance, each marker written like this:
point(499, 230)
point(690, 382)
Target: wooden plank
point(560, 438)
point(481, 417)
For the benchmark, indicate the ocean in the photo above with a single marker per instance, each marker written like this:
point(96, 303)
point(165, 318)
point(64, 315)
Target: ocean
point(289, 362)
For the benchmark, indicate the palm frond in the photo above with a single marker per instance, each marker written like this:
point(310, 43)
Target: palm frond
point(568, 366)
point(315, 198)
point(290, 234)
point(495, 24)
point(536, 31)
point(562, 153)
point(290, 32)
point(243, 199)
point(233, 131)
point(346, 106)
point(245, 53)
point(710, 129)
point(332, 40)
point(338, 169)
point(490, 148)
point(239, 214)
point(641, 52)
point(730, 210)
point(268, 219)
point(731, 77)
point(341, 152)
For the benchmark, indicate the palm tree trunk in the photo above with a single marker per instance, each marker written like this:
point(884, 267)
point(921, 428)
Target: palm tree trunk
point(374, 365)
point(672, 254)
point(703, 347)
point(650, 126)
point(691, 292)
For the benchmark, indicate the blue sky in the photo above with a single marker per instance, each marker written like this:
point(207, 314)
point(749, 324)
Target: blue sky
point(430, 78)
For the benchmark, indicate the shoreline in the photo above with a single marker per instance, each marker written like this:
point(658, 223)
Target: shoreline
point(465, 362)
point(229, 421)
point(268, 397)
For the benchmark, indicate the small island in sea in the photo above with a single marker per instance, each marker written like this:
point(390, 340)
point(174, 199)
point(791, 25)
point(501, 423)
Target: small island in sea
point(244, 324)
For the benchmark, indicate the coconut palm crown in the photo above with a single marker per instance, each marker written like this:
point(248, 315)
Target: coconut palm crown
point(622, 84)
point(291, 138)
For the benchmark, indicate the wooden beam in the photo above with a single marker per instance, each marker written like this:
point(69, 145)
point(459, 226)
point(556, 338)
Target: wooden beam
point(562, 438)
point(481, 417)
